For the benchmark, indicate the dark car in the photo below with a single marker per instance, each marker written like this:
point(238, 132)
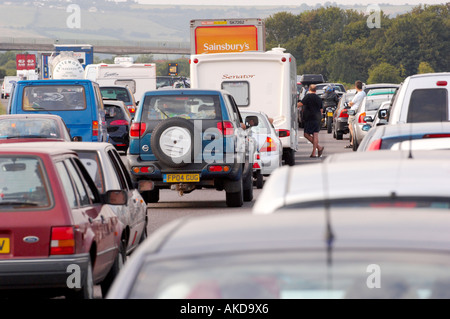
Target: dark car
point(340, 116)
point(120, 93)
point(187, 139)
point(374, 253)
point(32, 127)
point(118, 121)
point(58, 234)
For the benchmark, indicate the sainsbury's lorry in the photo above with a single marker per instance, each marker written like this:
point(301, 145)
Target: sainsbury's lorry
point(227, 35)
point(258, 81)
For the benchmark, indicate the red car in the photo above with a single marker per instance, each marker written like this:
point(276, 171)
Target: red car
point(58, 234)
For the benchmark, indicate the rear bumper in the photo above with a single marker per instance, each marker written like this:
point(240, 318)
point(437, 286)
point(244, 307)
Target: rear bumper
point(342, 125)
point(52, 272)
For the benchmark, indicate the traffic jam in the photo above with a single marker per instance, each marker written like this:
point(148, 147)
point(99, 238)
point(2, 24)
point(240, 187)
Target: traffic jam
point(90, 151)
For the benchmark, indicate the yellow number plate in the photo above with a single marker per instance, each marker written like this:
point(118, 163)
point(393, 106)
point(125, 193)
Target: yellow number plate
point(181, 178)
point(330, 114)
point(4, 245)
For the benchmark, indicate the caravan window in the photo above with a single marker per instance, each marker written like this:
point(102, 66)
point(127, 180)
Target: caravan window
point(130, 83)
point(240, 91)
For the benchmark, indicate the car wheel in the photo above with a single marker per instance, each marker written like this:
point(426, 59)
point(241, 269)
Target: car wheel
point(151, 196)
point(115, 269)
point(248, 187)
point(329, 125)
point(259, 180)
point(144, 234)
point(172, 142)
point(355, 144)
point(235, 199)
point(87, 287)
point(339, 135)
point(289, 157)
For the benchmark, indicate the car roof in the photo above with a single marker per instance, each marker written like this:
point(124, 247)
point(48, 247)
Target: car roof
point(32, 148)
point(393, 228)
point(31, 116)
point(187, 91)
point(60, 145)
point(379, 174)
point(406, 129)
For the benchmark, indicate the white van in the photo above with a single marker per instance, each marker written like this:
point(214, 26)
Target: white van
point(421, 98)
point(7, 85)
point(138, 77)
point(258, 81)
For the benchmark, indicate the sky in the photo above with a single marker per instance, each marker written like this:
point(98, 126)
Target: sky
point(285, 2)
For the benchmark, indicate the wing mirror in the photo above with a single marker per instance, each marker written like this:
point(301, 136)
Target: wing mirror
point(368, 119)
point(383, 114)
point(351, 112)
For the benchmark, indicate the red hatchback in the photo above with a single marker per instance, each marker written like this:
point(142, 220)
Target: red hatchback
point(58, 234)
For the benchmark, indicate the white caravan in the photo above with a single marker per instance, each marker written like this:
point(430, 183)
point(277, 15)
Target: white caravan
point(138, 77)
point(258, 81)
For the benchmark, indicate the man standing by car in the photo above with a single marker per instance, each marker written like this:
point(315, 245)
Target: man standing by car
point(312, 112)
point(354, 104)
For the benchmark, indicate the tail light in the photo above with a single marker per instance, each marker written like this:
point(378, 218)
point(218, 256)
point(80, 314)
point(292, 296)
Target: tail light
point(283, 133)
point(375, 145)
point(225, 127)
point(137, 129)
point(343, 113)
point(361, 118)
point(218, 168)
point(62, 241)
point(94, 128)
point(119, 122)
point(441, 83)
point(436, 135)
point(269, 145)
point(132, 110)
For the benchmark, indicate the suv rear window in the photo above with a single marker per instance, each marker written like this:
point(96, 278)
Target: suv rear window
point(190, 107)
point(428, 105)
point(54, 98)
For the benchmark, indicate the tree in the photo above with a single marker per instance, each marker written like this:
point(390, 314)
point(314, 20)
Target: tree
point(384, 73)
point(425, 67)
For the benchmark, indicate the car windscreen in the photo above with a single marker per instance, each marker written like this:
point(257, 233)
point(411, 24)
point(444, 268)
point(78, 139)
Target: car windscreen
point(29, 128)
point(201, 107)
point(428, 105)
point(307, 273)
point(23, 183)
point(54, 98)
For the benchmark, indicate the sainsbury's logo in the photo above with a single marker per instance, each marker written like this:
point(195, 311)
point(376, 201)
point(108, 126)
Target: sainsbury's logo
point(235, 47)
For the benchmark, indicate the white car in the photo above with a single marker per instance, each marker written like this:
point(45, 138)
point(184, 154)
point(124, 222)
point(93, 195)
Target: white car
point(269, 147)
point(361, 179)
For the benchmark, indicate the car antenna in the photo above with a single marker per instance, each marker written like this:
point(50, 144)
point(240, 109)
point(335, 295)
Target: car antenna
point(329, 235)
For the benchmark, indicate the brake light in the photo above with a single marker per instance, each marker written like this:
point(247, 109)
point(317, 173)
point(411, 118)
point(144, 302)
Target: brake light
point(225, 127)
point(283, 133)
point(435, 135)
point(441, 83)
point(62, 241)
point(137, 129)
point(256, 165)
point(343, 113)
point(361, 118)
point(119, 122)
point(218, 168)
point(375, 145)
point(268, 146)
point(94, 128)
point(132, 110)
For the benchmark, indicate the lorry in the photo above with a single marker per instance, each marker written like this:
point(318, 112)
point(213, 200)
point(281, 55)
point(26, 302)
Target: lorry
point(227, 35)
point(258, 81)
point(66, 66)
point(7, 85)
point(138, 77)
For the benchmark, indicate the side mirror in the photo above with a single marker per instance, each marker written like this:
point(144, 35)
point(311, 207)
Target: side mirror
point(251, 120)
point(368, 118)
point(351, 112)
point(116, 197)
point(383, 114)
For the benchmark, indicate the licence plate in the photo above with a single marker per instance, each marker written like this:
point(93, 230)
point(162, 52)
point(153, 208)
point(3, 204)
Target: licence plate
point(330, 113)
point(181, 178)
point(4, 245)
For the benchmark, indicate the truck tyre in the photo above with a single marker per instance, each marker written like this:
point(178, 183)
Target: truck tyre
point(236, 199)
point(172, 142)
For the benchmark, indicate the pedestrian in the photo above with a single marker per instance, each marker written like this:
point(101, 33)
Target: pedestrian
point(312, 112)
point(354, 104)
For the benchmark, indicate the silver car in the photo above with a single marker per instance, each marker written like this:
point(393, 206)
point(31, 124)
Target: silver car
point(361, 179)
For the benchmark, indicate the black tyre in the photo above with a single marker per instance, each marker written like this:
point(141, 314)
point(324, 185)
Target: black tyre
point(172, 142)
point(115, 269)
point(259, 180)
point(339, 135)
point(87, 286)
point(289, 157)
point(248, 187)
point(329, 124)
point(151, 196)
point(355, 145)
point(235, 199)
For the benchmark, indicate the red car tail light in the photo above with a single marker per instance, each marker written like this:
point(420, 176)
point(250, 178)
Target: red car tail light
point(268, 146)
point(441, 83)
point(119, 122)
point(343, 113)
point(375, 145)
point(225, 127)
point(62, 241)
point(137, 129)
point(132, 110)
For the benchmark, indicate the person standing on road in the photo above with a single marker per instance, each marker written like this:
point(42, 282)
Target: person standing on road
point(312, 112)
point(354, 104)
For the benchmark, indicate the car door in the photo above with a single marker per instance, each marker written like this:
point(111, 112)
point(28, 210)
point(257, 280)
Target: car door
point(241, 136)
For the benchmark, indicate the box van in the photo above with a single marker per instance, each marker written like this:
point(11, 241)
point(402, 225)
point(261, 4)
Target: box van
point(138, 77)
point(421, 98)
point(7, 84)
point(258, 81)
point(78, 102)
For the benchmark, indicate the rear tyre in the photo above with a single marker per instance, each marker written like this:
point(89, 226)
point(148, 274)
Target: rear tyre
point(259, 180)
point(87, 287)
point(329, 124)
point(339, 135)
point(248, 187)
point(355, 145)
point(235, 199)
point(289, 156)
point(151, 196)
point(115, 269)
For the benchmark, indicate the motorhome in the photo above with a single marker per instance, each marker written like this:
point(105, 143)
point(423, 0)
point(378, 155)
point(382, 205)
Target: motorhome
point(138, 77)
point(258, 81)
